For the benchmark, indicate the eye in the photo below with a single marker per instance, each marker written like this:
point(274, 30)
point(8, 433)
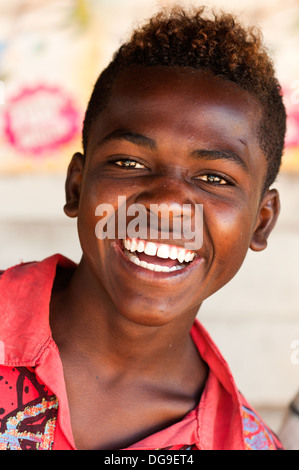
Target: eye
point(213, 179)
point(127, 163)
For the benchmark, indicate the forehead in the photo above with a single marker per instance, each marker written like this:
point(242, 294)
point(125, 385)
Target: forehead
point(184, 95)
point(182, 85)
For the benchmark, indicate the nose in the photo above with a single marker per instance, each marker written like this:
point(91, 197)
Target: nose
point(173, 212)
point(168, 193)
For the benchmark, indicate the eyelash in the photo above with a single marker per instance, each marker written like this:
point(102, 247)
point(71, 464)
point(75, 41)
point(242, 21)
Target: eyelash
point(132, 164)
point(226, 181)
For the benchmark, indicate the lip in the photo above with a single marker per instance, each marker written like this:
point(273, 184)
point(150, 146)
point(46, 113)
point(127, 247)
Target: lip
point(153, 276)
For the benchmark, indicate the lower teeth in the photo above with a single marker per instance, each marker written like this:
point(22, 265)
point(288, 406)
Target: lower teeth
point(152, 267)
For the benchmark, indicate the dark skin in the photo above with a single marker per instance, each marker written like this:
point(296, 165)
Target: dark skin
point(130, 365)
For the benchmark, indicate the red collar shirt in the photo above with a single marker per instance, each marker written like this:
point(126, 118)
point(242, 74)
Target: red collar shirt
point(34, 412)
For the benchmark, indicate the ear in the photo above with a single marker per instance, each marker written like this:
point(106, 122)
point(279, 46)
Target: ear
point(73, 185)
point(268, 213)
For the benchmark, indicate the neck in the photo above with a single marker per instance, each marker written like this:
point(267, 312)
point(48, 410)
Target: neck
point(90, 326)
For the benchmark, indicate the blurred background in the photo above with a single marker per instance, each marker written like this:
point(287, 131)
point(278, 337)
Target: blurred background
point(51, 53)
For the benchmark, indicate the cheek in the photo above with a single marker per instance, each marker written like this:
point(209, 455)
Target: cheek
point(87, 219)
point(98, 216)
point(230, 231)
point(95, 198)
point(226, 244)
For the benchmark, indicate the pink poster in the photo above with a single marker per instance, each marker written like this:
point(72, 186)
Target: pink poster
point(40, 119)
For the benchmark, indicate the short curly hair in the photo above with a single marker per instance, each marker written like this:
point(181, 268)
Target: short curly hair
point(216, 43)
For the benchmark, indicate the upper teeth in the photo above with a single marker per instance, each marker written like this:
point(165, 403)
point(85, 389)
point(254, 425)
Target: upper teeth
point(160, 250)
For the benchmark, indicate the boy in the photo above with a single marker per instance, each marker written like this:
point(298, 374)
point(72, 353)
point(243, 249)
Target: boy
point(108, 354)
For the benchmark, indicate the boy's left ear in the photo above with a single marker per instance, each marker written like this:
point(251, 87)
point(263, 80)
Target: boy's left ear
point(73, 185)
point(268, 213)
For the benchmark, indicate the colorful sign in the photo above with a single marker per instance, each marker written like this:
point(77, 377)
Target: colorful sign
point(41, 119)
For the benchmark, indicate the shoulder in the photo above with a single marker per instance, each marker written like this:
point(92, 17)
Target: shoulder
point(257, 435)
point(25, 294)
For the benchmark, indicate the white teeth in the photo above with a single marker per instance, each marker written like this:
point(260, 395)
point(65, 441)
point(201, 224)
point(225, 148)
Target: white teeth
point(165, 269)
point(173, 252)
point(158, 268)
point(176, 268)
point(150, 249)
point(189, 257)
point(133, 245)
point(163, 251)
point(140, 246)
point(181, 256)
point(152, 267)
point(126, 243)
point(145, 265)
point(135, 260)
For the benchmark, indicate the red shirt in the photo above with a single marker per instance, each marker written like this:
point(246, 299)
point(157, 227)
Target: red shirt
point(34, 412)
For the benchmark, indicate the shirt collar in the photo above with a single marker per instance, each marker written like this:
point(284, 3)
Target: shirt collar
point(25, 293)
point(216, 423)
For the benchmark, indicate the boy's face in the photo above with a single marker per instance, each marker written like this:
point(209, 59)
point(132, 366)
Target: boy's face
point(174, 137)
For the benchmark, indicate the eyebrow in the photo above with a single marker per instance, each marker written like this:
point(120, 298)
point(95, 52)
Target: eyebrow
point(220, 155)
point(148, 143)
point(133, 137)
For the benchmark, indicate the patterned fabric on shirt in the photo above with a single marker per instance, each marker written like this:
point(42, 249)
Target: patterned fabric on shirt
point(28, 411)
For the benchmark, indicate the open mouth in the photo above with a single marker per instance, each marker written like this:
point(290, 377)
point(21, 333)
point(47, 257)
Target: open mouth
point(158, 257)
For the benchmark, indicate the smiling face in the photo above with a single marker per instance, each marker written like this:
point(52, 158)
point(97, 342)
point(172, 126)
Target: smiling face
point(176, 137)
